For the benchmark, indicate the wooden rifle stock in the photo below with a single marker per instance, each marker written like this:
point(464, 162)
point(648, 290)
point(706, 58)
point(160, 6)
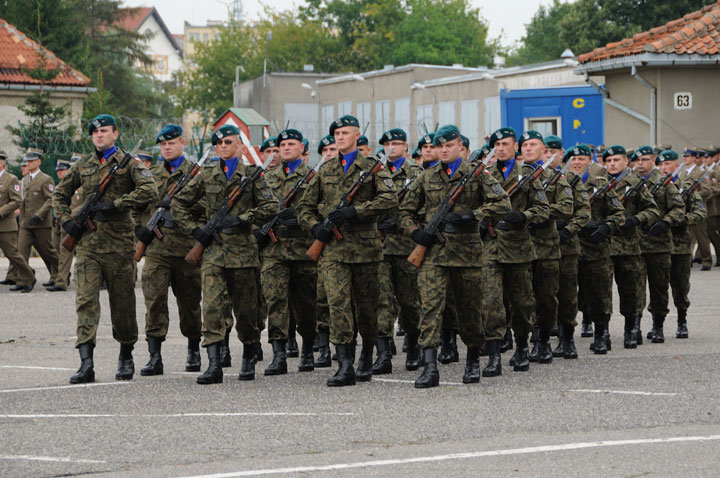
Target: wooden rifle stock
point(417, 256)
point(193, 257)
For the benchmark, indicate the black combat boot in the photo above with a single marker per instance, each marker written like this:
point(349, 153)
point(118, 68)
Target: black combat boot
point(412, 360)
point(629, 341)
point(400, 331)
point(494, 364)
point(383, 364)
point(393, 347)
point(533, 355)
point(292, 349)
point(323, 359)
point(445, 356)
point(682, 330)
point(316, 346)
point(430, 376)
point(638, 332)
point(454, 354)
point(192, 362)
point(586, 330)
point(345, 374)
point(225, 358)
point(472, 366)
point(86, 372)
point(599, 345)
point(405, 344)
point(658, 321)
point(653, 331)
point(569, 352)
point(608, 342)
point(307, 360)
point(507, 341)
point(247, 366)
point(365, 362)
point(545, 351)
point(521, 362)
point(126, 366)
point(258, 352)
point(554, 331)
point(559, 351)
point(214, 372)
point(155, 364)
point(278, 366)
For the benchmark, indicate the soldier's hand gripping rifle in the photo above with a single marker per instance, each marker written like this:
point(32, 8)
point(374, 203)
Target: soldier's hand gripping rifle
point(578, 177)
point(633, 190)
point(696, 183)
point(216, 222)
point(318, 246)
point(417, 256)
point(552, 181)
point(146, 234)
point(608, 187)
point(667, 180)
point(267, 230)
point(529, 178)
point(84, 218)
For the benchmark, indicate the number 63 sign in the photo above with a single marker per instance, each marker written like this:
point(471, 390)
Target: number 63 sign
point(682, 101)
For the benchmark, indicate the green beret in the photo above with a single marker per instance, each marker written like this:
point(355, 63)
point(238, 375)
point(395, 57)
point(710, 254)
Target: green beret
point(485, 150)
point(33, 153)
point(554, 142)
point(289, 134)
point(395, 134)
point(306, 145)
point(445, 134)
point(269, 143)
point(343, 121)
point(326, 141)
point(427, 139)
point(506, 132)
point(101, 120)
point(643, 151)
point(667, 155)
point(631, 155)
point(221, 132)
point(60, 165)
point(416, 153)
point(531, 134)
point(577, 150)
point(659, 148)
point(613, 150)
point(169, 132)
point(465, 141)
point(363, 140)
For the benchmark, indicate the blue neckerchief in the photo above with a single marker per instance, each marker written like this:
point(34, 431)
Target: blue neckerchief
point(395, 165)
point(585, 177)
point(616, 175)
point(229, 166)
point(450, 168)
point(347, 160)
point(174, 164)
point(291, 166)
point(506, 167)
point(430, 165)
point(675, 178)
point(535, 164)
point(107, 153)
point(647, 175)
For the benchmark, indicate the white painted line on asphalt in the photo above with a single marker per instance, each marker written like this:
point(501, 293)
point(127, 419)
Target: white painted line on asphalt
point(627, 392)
point(461, 456)
point(178, 415)
point(394, 380)
point(29, 367)
point(60, 387)
point(48, 458)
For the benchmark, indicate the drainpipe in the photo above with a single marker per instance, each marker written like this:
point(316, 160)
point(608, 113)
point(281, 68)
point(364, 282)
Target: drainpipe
point(653, 99)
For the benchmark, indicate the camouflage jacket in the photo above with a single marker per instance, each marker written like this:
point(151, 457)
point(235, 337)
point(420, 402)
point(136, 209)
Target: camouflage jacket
point(482, 196)
point(396, 243)
point(132, 188)
point(695, 213)
point(545, 235)
point(640, 205)
point(580, 217)
point(175, 241)
point(256, 205)
point(37, 200)
point(361, 241)
point(606, 210)
point(292, 241)
point(515, 247)
point(671, 208)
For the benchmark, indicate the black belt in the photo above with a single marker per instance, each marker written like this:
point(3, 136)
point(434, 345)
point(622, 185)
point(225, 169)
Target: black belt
point(292, 232)
point(468, 228)
point(235, 230)
point(359, 226)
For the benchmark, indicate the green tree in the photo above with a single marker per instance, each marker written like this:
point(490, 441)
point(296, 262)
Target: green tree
point(543, 36)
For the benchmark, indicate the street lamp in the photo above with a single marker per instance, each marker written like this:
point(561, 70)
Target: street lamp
point(236, 100)
point(313, 93)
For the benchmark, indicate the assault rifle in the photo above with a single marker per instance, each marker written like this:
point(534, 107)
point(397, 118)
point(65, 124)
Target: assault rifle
point(608, 187)
point(557, 174)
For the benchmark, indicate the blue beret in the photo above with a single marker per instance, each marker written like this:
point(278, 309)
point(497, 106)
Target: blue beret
point(530, 134)
point(101, 120)
point(613, 150)
point(363, 140)
point(506, 132)
point(445, 134)
point(667, 155)
point(395, 134)
point(269, 143)
point(343, 121)
point(289, 134)
point(577, 150)
point(169, 132)
point(326, 141)
point(226, 130)
point(553, 141)
point(465, 141)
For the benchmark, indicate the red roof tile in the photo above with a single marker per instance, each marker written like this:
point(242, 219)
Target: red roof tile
point(18, 53)
point(133, 17)
point(695, 33)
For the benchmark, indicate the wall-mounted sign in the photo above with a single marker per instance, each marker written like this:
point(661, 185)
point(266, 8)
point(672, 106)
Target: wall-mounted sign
point(682, 100)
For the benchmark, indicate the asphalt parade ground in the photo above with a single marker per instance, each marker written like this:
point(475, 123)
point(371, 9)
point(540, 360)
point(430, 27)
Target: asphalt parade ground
point(654, 411)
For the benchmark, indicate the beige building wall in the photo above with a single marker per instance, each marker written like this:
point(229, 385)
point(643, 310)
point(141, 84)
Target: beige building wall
point(621, 128)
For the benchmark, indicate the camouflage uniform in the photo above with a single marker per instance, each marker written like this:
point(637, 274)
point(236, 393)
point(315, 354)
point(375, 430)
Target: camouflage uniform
point(106, 254)
point(65, 257)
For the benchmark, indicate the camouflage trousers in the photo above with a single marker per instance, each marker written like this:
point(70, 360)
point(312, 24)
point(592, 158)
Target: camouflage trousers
point(160, 273)
point(655, 267)
point(630, 284)
point(567, 295)
point(65, 259)
point(494, 317)
point(546, 277)
point(450, 321)
point(118, 272)
point(398, 285)
point(518, 297)
point(680, 280)
point(323, 311)
point(262, 309)
point(595, 282)
point(433, 282)
point(285, 283)
point(226, 292)
point(352, 294)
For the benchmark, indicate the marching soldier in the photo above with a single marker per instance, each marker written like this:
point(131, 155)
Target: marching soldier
point(10, 276)
point(229, 267)
point(65, 257)
point(35, 219)
point(712, 201)
point(349, 266)
point(106, 253)
point(165, 266)
point(10, 200)
point(363, 145)
point(698, 232)
point(554, 148)
point(141, 218)
point(268, 148)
